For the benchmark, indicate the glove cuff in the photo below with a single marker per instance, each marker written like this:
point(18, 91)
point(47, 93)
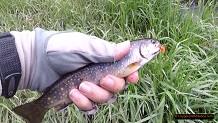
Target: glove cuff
point(10, 66)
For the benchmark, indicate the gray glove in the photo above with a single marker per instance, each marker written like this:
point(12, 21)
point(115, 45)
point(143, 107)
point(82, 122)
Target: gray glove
point(46, 55)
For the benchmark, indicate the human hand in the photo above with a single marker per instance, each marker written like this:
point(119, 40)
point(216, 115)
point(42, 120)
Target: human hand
point(89, 93)
point(50, 54)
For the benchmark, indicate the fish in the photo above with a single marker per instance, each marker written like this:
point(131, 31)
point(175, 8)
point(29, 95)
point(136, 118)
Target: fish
point(57, 95)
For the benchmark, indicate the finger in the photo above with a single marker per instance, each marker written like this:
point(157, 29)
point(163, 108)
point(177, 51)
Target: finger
point(122, 49)
point(133, 78)
point(94, 92)
point(112, 83)
point(82, 102)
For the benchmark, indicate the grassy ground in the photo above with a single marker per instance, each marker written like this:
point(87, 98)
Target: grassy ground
point(184, 80)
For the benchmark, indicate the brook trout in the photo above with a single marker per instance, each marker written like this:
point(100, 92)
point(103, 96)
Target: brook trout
point(56, 96)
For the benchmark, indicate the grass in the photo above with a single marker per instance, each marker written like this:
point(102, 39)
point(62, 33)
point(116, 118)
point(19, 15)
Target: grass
point(184, 80)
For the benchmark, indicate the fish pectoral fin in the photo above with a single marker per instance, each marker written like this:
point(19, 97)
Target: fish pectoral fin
point(133, 66)
point(129, 69)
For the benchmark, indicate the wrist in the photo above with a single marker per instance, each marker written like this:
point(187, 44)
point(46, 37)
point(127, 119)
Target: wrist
point(10, 68)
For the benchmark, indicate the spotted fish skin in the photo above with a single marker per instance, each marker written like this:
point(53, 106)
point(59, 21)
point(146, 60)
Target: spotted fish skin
point(57, 95)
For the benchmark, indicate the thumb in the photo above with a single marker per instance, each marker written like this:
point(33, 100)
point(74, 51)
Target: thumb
point(121, 49)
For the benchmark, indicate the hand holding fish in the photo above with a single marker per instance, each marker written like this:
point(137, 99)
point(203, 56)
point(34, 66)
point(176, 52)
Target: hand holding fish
point(71, 67)
point(108, 85)
point(47, 55)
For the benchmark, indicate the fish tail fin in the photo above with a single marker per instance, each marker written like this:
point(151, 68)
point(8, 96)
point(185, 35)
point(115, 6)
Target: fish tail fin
point(32, 112)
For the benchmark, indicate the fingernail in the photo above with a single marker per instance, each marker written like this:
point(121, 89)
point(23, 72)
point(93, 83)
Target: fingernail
point(84, 88)
point(107, 82)
point(137, 74)
point(123, 45)
point(74, 94)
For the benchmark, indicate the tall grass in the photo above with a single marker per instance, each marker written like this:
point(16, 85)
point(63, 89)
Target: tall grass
point(184, 80)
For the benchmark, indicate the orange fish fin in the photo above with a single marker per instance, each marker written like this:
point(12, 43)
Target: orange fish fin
point(134, 66)
point(129, 69)
point(32, 112)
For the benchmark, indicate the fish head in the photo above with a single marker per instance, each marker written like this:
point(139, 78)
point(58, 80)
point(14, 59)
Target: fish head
point(148, 49)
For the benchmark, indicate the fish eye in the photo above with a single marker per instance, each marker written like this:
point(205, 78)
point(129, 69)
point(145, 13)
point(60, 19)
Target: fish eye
point(153, 41)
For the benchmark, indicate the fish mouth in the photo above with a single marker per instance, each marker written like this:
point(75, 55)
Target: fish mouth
point(155, 53)
point(158, 47)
